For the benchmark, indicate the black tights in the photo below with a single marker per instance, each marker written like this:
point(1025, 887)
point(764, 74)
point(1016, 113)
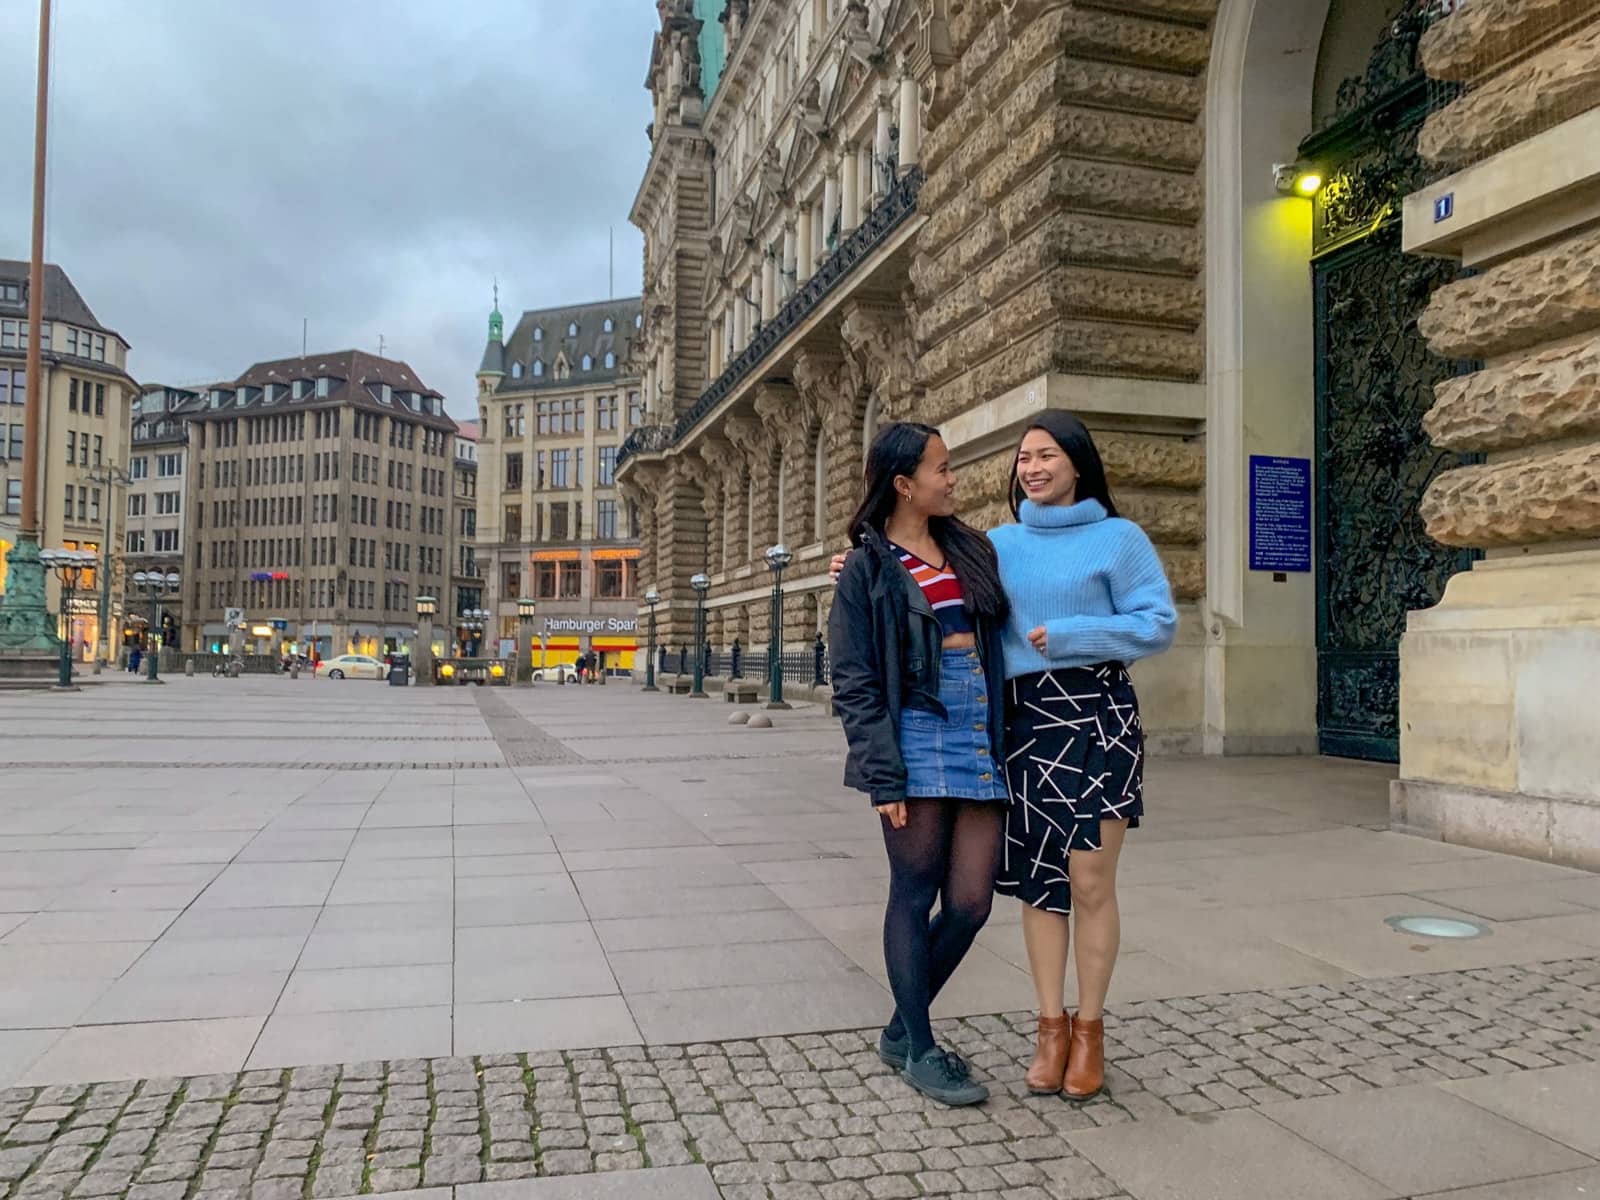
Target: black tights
point(948, 850)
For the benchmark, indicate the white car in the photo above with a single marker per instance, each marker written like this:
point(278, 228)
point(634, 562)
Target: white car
point(351, 666)
point(556, 674)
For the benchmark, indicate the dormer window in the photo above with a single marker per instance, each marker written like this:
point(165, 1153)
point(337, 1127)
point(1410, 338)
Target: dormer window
point(611, 361)
point(516, 370)
point(588, 362)
point(385, 394)
point(538, 368)
point(324, 387)
point(538, 333)
point(10, 293)
point(572, 329)
point(300, 386)
point(610, 325)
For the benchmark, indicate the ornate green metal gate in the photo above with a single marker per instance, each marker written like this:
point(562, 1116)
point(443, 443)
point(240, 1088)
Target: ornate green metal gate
point(1374, 382)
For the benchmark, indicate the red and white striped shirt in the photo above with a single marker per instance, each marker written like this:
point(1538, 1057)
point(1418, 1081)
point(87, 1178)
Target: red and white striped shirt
point(943, 590)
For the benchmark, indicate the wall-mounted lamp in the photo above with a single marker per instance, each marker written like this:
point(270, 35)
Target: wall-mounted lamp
point(1296, 179)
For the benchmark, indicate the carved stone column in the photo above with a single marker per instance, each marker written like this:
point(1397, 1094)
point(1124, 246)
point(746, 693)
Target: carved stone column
point(749, 440)
point(880, 339)
point(1497, 713)
point(722, 475)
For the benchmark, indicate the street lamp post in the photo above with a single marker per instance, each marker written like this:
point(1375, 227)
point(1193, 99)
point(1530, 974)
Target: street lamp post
point(155, 584)
point(110, 477)
point(652, 598)
point(427, 606)
point(701, 585)
point(69, 566)
point(526, 607)
point(778, 557)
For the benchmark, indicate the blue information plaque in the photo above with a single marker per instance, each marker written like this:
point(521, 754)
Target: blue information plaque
point(1280, 513)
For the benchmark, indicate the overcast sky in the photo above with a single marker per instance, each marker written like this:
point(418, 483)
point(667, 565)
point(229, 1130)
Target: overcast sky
point(220, 169)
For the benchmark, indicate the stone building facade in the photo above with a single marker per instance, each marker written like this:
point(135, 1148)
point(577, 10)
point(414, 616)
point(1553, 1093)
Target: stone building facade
point(319, 493)
point(1187, 221)
point(466, 579)
point(154, 505)
point(555, 401)
point(83, 435)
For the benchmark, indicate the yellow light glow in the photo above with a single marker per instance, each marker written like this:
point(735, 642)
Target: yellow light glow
point(497, 670)
point(447, 670)
point(1309, 184)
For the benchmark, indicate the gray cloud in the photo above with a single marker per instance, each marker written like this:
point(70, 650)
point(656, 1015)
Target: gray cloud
point(220, 170)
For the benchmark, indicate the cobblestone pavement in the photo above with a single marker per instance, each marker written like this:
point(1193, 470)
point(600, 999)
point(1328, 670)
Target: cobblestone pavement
point(804, 1117)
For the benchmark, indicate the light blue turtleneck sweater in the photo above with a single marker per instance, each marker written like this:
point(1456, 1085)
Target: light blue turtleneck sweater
point(1094, 582)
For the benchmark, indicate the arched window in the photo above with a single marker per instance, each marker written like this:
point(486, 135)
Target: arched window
point(610, 324)
point(638, 320)
point(588, 362)
point(538, 368)
point(572, 329)
point(819, 515)
point(611, 361)
point(516, 370)
point(538, 333)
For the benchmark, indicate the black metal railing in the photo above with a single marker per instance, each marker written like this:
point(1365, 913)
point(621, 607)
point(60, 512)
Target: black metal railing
point(890, 213)
point(810, 666)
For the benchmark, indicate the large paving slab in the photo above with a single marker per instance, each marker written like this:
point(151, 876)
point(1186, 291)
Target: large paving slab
point(310, 939)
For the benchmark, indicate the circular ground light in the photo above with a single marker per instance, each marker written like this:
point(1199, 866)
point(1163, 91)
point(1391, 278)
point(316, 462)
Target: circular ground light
point(1437, 927)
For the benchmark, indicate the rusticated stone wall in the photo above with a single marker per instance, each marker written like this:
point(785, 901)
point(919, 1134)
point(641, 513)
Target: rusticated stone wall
point(1063, 199)
point(1156, 481)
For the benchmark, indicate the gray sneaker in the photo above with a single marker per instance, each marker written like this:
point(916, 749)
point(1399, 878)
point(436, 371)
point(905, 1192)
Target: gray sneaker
point(943, 1076)
point(893, 1051)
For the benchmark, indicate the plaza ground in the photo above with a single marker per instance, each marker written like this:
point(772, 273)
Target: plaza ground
point(282, 939)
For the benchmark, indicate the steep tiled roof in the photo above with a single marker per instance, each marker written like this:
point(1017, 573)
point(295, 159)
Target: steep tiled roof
point(591, 339)
point(61, 300)
point(355, 376)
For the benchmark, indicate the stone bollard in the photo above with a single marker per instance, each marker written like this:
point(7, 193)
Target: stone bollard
point(188, 667)
point(294, 669)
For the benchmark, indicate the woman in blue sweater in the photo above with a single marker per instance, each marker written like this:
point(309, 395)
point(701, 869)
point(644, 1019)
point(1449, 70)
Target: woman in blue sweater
point(1087, 596)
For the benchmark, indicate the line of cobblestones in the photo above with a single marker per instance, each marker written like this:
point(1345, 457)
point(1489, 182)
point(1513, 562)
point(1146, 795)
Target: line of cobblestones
point(805, 1117)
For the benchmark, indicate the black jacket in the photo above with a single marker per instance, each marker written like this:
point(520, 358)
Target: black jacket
point(885, 647)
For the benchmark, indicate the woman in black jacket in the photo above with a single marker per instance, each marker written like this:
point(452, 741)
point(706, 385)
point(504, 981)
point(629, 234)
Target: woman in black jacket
point(917, 675)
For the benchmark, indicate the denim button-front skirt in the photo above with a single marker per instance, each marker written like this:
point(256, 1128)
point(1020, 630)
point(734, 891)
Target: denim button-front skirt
point(950, 757)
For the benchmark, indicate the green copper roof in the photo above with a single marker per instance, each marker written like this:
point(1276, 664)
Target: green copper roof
point(713, 49)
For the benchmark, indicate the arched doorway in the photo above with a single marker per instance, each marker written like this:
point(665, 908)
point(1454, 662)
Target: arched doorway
point(1313, 353)
point(1374, 384)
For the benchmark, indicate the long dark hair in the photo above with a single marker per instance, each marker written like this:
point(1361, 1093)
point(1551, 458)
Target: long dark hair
point(1073, 437)
point(897, 450)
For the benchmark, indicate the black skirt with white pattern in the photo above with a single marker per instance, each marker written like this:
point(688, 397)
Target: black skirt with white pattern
point(1074, 757)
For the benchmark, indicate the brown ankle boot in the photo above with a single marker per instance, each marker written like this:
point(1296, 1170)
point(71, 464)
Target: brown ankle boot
point(1086, 1059)
point(1049, 1067)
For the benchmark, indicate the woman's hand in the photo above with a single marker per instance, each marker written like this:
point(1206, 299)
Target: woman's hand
point(835, 566)
point(1040, 640)
point(895, 813)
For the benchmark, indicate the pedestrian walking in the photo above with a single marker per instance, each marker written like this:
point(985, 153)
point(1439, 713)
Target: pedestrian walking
point(917, 676)
point(1087, 596)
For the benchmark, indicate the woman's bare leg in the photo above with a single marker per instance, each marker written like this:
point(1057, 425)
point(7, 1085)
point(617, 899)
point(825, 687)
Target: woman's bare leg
point(1047, 936)
point(1095, 913)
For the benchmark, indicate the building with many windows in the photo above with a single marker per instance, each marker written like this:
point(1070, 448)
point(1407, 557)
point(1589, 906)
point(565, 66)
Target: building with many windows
point(320, 504)
point(154, 505)
point(466, 581)
point(83, 435)
point(1320, 276)
point(555, 402)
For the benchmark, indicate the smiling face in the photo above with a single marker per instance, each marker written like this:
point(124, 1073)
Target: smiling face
point(1044, 470)
point(931, 492)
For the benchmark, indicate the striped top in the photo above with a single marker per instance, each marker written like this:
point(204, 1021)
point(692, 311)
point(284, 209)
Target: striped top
point(943, 590)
